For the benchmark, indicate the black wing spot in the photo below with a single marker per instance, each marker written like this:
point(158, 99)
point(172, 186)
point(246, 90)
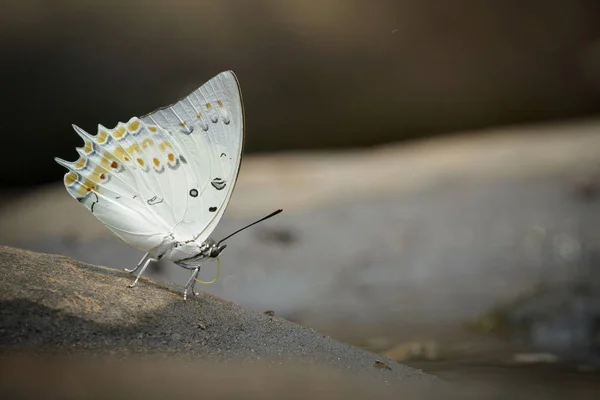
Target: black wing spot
point(218, 183)
point(187, 130)
point(194, 193)
point(154, 200)
point(176, 165)
point(82, 199)
point(223, 155)
point(212, 209)
point(183, 160)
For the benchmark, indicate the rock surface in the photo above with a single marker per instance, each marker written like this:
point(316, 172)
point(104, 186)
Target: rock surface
point(53, 304)
point(102, 378)
point(398, 237)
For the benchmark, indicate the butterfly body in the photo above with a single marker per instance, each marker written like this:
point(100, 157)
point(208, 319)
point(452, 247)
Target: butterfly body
point(187, 252)
point(162, 182)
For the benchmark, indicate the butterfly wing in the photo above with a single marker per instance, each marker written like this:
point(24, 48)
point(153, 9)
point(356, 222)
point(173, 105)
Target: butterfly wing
point(112, 180)
point(208, 129)
point(167, 176)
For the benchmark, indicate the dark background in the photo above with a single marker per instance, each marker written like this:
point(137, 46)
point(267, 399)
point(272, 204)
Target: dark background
point(465, 256)
point(314, 74)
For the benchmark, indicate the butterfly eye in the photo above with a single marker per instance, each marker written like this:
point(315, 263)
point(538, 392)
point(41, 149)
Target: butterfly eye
point(216, 250)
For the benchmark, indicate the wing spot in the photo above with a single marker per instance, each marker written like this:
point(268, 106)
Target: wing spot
point(199, 116)
point(88, 147)
point(164, 145)
point(212, 209)
point(117, 133)
point(103, 177)
point(187, 129)
point(156, 161)
point(94, 203)
point(220, 103)
point(152, 128)
point(70, 178)
point(171, 157)
point(80, 163)
point(218, 183)
point(102, 136)
point(114, 165)
point(140, 161)
point(183, 124)
point(154, 200)
point(208, 106)
point(126, 158)
point(133, 148)
point(194, 193)
point(134, 125)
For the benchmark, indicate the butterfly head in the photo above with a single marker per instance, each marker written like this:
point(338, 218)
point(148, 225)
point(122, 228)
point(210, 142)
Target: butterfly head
point(213, 249)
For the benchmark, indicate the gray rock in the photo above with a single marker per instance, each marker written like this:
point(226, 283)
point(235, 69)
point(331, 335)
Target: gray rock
point(390, 244)
point(53, 304)
point(99, 378)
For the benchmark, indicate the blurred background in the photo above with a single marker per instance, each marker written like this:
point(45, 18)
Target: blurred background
point(438, 162)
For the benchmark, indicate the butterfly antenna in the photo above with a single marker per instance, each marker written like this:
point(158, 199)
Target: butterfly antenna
point(274, 213)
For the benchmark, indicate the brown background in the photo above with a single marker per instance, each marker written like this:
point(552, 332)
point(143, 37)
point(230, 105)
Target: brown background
point(314, 74)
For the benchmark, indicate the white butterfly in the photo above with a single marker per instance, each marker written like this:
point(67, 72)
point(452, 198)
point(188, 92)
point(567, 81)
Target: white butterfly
point(162, 182)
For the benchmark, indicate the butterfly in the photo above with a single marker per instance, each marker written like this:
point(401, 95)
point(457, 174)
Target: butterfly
point(162, 182)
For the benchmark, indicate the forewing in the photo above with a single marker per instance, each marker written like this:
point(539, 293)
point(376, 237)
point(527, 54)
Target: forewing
point(170, 173)
point(207, 129)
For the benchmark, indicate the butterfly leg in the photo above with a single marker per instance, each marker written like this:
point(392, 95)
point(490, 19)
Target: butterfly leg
point(138, 265)
point(148, 261)
point(191, 283)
